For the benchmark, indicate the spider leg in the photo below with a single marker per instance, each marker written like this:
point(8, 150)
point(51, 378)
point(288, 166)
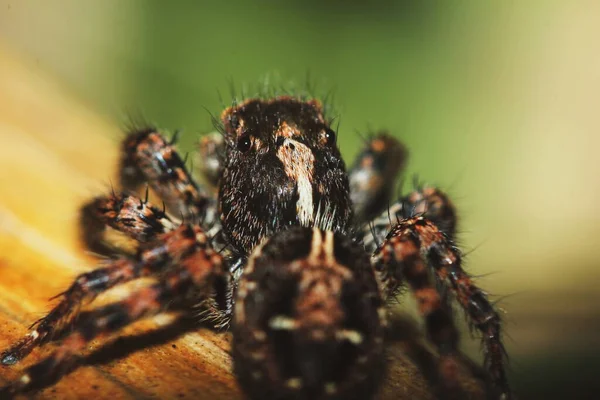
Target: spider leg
point(126, 213)
point(151, 258)
point(427, 201)
point(198, 275)
point(412, 249)
point(434, 205)
point(212, 157)
point(373, 173)
point(149, 157)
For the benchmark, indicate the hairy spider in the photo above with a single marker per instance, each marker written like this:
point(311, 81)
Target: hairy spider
point(297, 256)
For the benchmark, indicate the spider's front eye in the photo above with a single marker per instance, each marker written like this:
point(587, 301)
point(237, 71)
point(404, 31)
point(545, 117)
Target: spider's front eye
point(234, 122)
point(244, 143)
point(329, 137)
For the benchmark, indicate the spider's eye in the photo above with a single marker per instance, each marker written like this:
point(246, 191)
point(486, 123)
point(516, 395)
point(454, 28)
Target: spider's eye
point(244, 143)
point(234, 122)
point(329, 137)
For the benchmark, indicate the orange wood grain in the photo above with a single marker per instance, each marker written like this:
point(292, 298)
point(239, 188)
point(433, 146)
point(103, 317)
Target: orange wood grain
point(54, 155)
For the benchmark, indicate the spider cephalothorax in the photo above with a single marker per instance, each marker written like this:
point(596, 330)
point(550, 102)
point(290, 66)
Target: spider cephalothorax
point(282, 168)
point(296, 256)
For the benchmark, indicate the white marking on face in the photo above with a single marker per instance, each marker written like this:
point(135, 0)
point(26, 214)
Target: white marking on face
point(299, 165)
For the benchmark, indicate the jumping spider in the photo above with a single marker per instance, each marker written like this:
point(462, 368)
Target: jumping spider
point(297, 256)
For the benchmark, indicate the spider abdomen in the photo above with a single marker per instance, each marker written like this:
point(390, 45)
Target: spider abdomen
point(308, 319)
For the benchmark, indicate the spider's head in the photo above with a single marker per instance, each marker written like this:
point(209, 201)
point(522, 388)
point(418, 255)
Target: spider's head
point(283, 168)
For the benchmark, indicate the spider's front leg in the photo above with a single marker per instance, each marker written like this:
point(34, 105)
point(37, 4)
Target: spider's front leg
point(414, 251)
point(152, 258)
point(308, 320)
point(126, 213)
point(198, 275)
point(149, 157)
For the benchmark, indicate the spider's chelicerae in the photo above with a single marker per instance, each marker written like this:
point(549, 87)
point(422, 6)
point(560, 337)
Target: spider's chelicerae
point(296, 255)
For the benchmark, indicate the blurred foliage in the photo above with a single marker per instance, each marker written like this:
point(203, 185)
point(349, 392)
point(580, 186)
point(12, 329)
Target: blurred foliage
point(397, 65)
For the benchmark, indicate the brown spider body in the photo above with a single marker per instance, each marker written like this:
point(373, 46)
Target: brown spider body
point(308, 320)
point(297, 261)
point(282, 167)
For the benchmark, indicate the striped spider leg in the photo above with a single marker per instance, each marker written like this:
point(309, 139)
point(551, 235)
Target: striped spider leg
point(412, 243)
point(163, 246)
point(191, 271)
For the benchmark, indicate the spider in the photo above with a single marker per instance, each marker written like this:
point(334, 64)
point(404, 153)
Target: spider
point(296, 256)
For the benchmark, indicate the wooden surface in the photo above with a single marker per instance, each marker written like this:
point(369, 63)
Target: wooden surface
point(56, 154)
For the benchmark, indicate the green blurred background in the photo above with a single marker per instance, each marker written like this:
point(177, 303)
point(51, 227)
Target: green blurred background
point(497, 102)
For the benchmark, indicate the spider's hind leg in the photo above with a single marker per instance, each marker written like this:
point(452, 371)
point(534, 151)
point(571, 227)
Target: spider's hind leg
point(417, 252)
